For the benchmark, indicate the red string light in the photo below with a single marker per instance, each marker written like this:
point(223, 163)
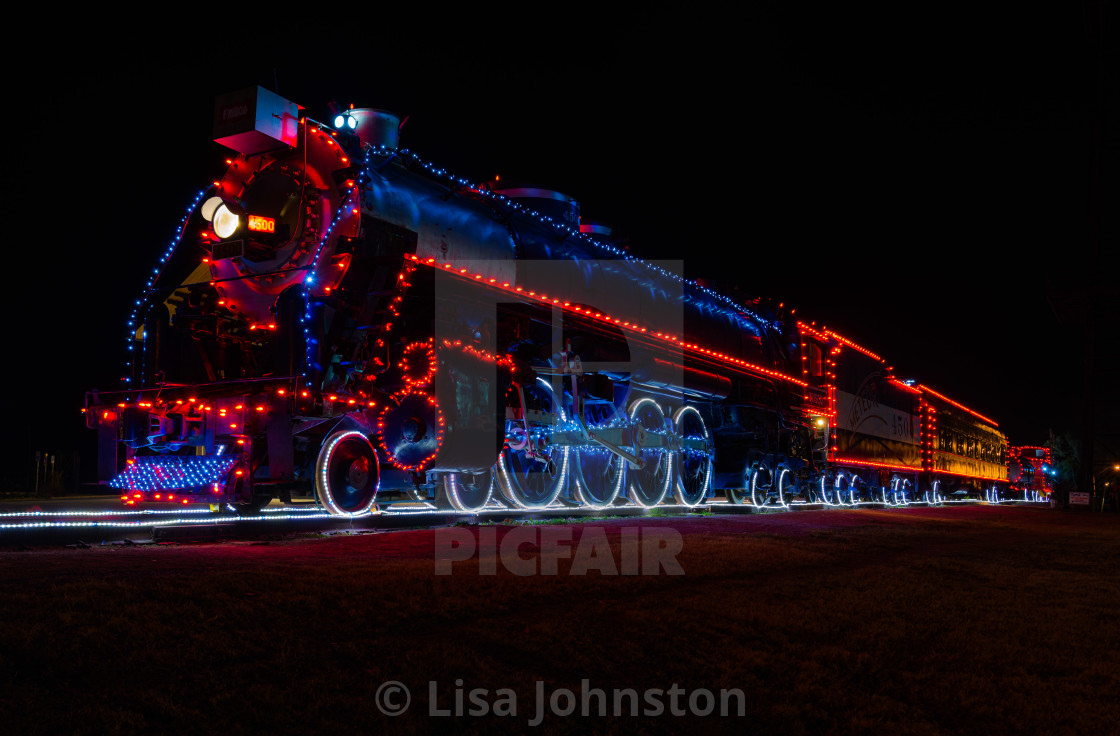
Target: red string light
point(729, 361)
point(418, 363)
point(440, 426)
point(959, 405)
point(848, 461)
point(851, 344)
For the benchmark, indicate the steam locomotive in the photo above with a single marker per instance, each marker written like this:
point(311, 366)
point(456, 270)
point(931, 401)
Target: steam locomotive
point(341, 321)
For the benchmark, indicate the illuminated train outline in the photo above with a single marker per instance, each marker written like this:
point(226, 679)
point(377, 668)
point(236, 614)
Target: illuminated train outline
point(658, 444)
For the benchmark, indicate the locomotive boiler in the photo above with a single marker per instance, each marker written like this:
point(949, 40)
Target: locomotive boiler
point(341, 320)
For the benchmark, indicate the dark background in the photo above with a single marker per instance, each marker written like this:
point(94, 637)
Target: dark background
point(919, 179)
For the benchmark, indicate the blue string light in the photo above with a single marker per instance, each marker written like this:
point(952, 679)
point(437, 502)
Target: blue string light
point(737, 310)
point(148, 287)
point(309, 279)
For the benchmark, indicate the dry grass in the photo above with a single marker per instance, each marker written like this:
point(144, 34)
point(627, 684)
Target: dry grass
point(987, 620)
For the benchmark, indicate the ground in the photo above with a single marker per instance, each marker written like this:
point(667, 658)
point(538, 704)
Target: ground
point(925, 621)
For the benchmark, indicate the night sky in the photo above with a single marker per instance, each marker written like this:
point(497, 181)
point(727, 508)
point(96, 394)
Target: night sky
point(913, 180)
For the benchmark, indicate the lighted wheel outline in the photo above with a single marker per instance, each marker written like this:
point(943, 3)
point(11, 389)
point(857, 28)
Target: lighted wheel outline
point(594, 467)
point(783, 472)
point(760, 492)
point(520, 478)
point(693, 464)
point(837, 492)
point(611, 470)
point(648, 486)
point(470, 491)
point(935, 492)
point(823, 492)
point(347, 463)
point(904, 491)
point(852, 491)
point(900, 490)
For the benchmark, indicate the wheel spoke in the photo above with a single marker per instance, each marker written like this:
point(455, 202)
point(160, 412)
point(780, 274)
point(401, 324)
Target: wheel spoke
point(531, 470)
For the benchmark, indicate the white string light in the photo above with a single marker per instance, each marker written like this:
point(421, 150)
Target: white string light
point(289, 514)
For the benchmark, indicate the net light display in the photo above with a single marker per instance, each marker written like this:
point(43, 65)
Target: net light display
point(150, 473)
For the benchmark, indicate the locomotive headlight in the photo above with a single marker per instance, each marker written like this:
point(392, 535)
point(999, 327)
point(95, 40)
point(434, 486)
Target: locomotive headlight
point(340, 121)
point(208, 207)
point(225, 221)
point(351, 123)
point(225, 217)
